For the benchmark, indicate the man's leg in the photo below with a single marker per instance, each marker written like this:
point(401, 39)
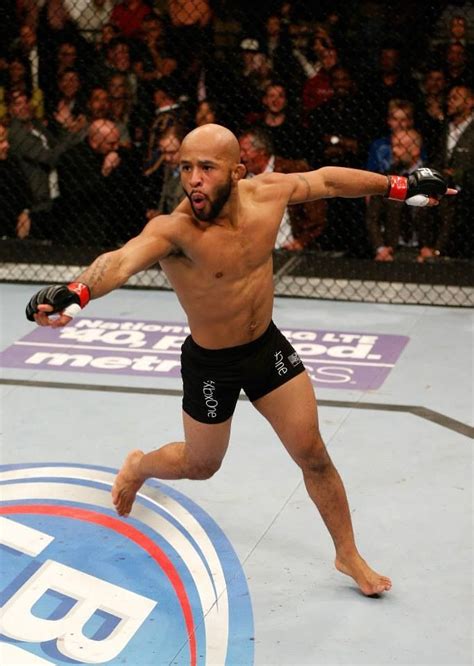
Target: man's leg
point(198, 457)
point(292, 411)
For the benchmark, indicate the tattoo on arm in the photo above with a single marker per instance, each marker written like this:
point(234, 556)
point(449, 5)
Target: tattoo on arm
point(93, 275)
point(308, 188)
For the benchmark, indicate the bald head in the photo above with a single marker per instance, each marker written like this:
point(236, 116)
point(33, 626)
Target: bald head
point(104, 136)
point(215, 141)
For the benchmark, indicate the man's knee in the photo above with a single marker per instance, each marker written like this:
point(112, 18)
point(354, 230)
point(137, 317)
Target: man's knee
point(316, 460)
point(200, 472)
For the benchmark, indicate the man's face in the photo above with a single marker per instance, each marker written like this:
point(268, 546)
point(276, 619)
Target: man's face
point(457, 27)
point(252, 157)
point(4, 145)
point(69, 84)
point(342, 83)
point(16, 71)
point(105, 141)
point(405, 148)
point(399, 119)
point(205, 114)
point(275, 99)
point(456, 55)
point(67, 55)
point(435, 82)
point(20, 107)
point(389, 60)
point(120, 57)
point(99, 104)
point(207, 182)
point(169, 148)
point(458, 102)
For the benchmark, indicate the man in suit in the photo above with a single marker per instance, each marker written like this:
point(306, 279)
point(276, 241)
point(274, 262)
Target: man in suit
point(302, 223)
point(389, 224)
point(455, 160)
point(15, 201)
point(38, 153)
point(171, 190)
point(101, 201)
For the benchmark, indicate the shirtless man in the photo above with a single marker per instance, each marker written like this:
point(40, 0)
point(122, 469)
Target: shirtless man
point(216, 249)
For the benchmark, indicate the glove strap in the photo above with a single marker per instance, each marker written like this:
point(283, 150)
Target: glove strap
point(397, 188)
point(82, 290)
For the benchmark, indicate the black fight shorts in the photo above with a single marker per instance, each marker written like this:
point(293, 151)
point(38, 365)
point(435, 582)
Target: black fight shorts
point(213, 378)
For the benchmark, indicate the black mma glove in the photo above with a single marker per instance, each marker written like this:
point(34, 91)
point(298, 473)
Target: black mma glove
point(66, 298)
point(417, 188)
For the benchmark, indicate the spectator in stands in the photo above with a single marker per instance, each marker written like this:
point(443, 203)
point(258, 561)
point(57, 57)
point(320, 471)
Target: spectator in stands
point(167, 112)
point(252, 77)
point(302, 224)
point(15, 199)
point(455, 160)
point(457, 34)
point(389, 223)
point(317, 90)
point(108, 32)
point(119, 61)
point(98, 104)
point(156, 58)
point(338, 127)
point(66, 58)
point(18, 79)
point(104, 207)
point(207, 111)
point(121, 106)
point(32, 53)
point(38, 152)
point(67, 109)
point(128, 16)
point(308, 47)
point(390, 81)
point(280, 122)
point(431, 112)
point(400, 117)
point(276, 44)
point(171, 190)
point(191, 25)
point(457, 67)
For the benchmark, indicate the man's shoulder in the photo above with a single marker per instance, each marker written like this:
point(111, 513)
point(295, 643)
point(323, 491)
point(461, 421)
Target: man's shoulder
point(265, 186)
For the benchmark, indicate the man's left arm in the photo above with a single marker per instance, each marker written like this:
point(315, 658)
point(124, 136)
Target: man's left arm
point(422, 188)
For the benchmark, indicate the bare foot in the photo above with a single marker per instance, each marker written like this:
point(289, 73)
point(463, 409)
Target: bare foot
point(127, 483)
point(369, 581)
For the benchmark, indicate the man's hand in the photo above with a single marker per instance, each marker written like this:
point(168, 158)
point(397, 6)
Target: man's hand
point(424, 187)
point(23, 225)
point(384, 253)
point(111, 162)
point(65, 300)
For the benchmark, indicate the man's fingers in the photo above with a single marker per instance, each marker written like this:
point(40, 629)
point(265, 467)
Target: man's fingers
point(43, 317)
point(450, 191)
point(62, 320)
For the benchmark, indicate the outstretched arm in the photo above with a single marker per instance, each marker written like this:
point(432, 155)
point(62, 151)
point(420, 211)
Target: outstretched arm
point(109, 271)
point(329, 182)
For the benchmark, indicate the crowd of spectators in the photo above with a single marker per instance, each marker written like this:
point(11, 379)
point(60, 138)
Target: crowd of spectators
point(96, 96)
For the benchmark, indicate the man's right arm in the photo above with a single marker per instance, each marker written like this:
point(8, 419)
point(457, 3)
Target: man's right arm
point(109, 271)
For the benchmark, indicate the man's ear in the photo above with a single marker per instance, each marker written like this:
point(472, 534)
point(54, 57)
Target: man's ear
point(240, 172)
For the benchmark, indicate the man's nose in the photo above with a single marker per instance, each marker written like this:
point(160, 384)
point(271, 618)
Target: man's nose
point(196, 177)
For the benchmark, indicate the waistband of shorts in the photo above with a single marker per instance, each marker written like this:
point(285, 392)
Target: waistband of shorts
point(239, 350)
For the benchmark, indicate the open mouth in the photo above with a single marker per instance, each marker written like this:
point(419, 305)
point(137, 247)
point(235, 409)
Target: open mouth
point(198, 200)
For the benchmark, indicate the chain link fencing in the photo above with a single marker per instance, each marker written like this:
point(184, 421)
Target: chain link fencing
point(96, 96)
